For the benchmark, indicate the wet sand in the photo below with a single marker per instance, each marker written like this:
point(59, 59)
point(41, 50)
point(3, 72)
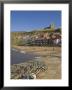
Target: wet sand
point(21, 56)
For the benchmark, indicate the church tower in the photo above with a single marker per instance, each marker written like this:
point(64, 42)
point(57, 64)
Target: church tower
point(52, 26)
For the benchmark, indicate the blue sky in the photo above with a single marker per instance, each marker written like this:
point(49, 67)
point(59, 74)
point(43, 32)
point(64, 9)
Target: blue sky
point(32, 20)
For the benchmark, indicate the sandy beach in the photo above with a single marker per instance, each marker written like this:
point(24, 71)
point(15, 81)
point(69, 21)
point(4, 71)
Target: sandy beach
point(51, 56)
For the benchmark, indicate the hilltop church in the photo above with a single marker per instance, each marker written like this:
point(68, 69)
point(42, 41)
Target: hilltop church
point(52, 27)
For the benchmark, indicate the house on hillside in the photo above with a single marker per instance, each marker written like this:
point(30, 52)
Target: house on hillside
point(57, 40)
point(46, 39)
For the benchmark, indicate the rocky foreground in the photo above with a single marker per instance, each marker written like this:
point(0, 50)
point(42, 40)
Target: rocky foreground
point(27, 70)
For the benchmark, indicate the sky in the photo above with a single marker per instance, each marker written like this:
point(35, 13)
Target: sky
point(34, 20)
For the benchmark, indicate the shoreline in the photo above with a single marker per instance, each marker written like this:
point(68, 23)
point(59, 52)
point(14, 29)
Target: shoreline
point(51, 58)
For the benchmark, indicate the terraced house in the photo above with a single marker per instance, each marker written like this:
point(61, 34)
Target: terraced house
point(54, 40)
